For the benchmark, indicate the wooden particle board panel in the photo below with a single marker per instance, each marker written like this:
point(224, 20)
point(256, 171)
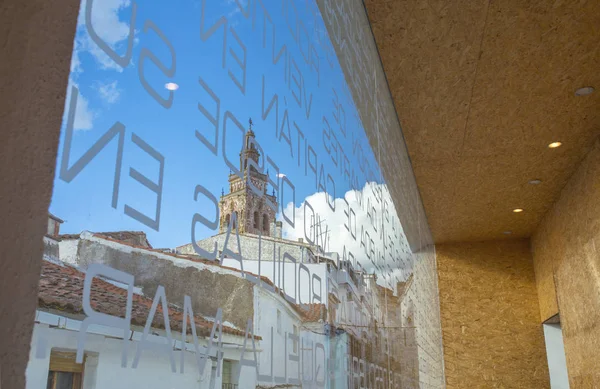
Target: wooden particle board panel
point(492, 334)
point(481, 88)
point(35, 52)
point(567, 263)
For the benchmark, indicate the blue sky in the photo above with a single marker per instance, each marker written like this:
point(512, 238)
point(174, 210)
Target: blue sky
point(108, 93)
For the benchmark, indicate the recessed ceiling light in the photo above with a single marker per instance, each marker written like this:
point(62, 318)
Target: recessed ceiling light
point(554, 145)
point(507, 232)
point(535, 182)
point(518, 210)
point(588, 90)
point(171, 86)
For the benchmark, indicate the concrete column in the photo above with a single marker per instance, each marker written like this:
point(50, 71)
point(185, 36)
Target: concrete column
point(36, 40)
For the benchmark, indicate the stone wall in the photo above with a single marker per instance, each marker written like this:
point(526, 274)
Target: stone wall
point(250, 247)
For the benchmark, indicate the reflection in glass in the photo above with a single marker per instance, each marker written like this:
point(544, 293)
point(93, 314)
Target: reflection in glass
point(242, 255)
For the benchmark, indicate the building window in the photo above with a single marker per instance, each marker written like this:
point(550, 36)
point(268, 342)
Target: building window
point(295, 346)
point(228, 379)
point(256, 220)
point(64, 373)
point(227, 220)
point(265, 223)
point(278, 321)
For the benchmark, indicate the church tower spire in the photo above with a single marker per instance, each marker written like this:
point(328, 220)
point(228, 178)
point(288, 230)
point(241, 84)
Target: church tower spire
point(253, 214)
point(249, 150)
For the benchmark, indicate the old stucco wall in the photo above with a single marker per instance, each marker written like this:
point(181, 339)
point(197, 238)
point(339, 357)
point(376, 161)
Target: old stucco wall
point(492, 334)
point(36, 40)
point(207, 289)
point(567, 269)
point(51, 248)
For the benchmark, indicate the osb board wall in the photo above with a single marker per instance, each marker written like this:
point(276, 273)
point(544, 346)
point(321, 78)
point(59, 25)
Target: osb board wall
point(481, 87)
point(490, 324)
point(36, 42)
point(567, 263)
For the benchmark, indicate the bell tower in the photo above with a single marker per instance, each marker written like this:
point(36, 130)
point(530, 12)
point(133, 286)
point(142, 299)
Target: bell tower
point(254, 216)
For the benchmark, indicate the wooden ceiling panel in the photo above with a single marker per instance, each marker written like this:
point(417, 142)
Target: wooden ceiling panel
point(481, 89)
point(423, 44)
point(524, 90)
point(485, 191)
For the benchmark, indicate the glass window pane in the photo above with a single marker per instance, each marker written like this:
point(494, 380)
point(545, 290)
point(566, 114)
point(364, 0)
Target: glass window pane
point(64, 380)
point(219, 172)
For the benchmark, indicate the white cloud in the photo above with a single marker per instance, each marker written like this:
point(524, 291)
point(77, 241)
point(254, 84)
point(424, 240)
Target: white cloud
point(84, 115)
point(107, 24)
point(105, 19)
point(102, 59)
point(109, 92)
point(340, 237)
point(238, 7)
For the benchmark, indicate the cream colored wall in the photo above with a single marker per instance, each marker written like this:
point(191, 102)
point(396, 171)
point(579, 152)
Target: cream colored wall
point(491, 330)
point(567, 264)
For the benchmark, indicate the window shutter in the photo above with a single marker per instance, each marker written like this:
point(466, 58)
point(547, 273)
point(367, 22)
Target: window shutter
point(65, 361)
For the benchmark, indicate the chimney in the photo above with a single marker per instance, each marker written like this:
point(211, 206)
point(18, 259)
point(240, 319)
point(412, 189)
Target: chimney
point(53, 225)
point(300, 240)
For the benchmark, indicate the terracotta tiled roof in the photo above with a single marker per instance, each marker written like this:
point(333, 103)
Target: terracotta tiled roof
point(67, 236)
point(404, 286)
point(315, 312)
point(136, 238)
point(383, 289)
point(61, 288)
point(129, 236)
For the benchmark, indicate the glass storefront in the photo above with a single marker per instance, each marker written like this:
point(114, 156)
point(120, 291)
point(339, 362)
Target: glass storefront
point(221, 214)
